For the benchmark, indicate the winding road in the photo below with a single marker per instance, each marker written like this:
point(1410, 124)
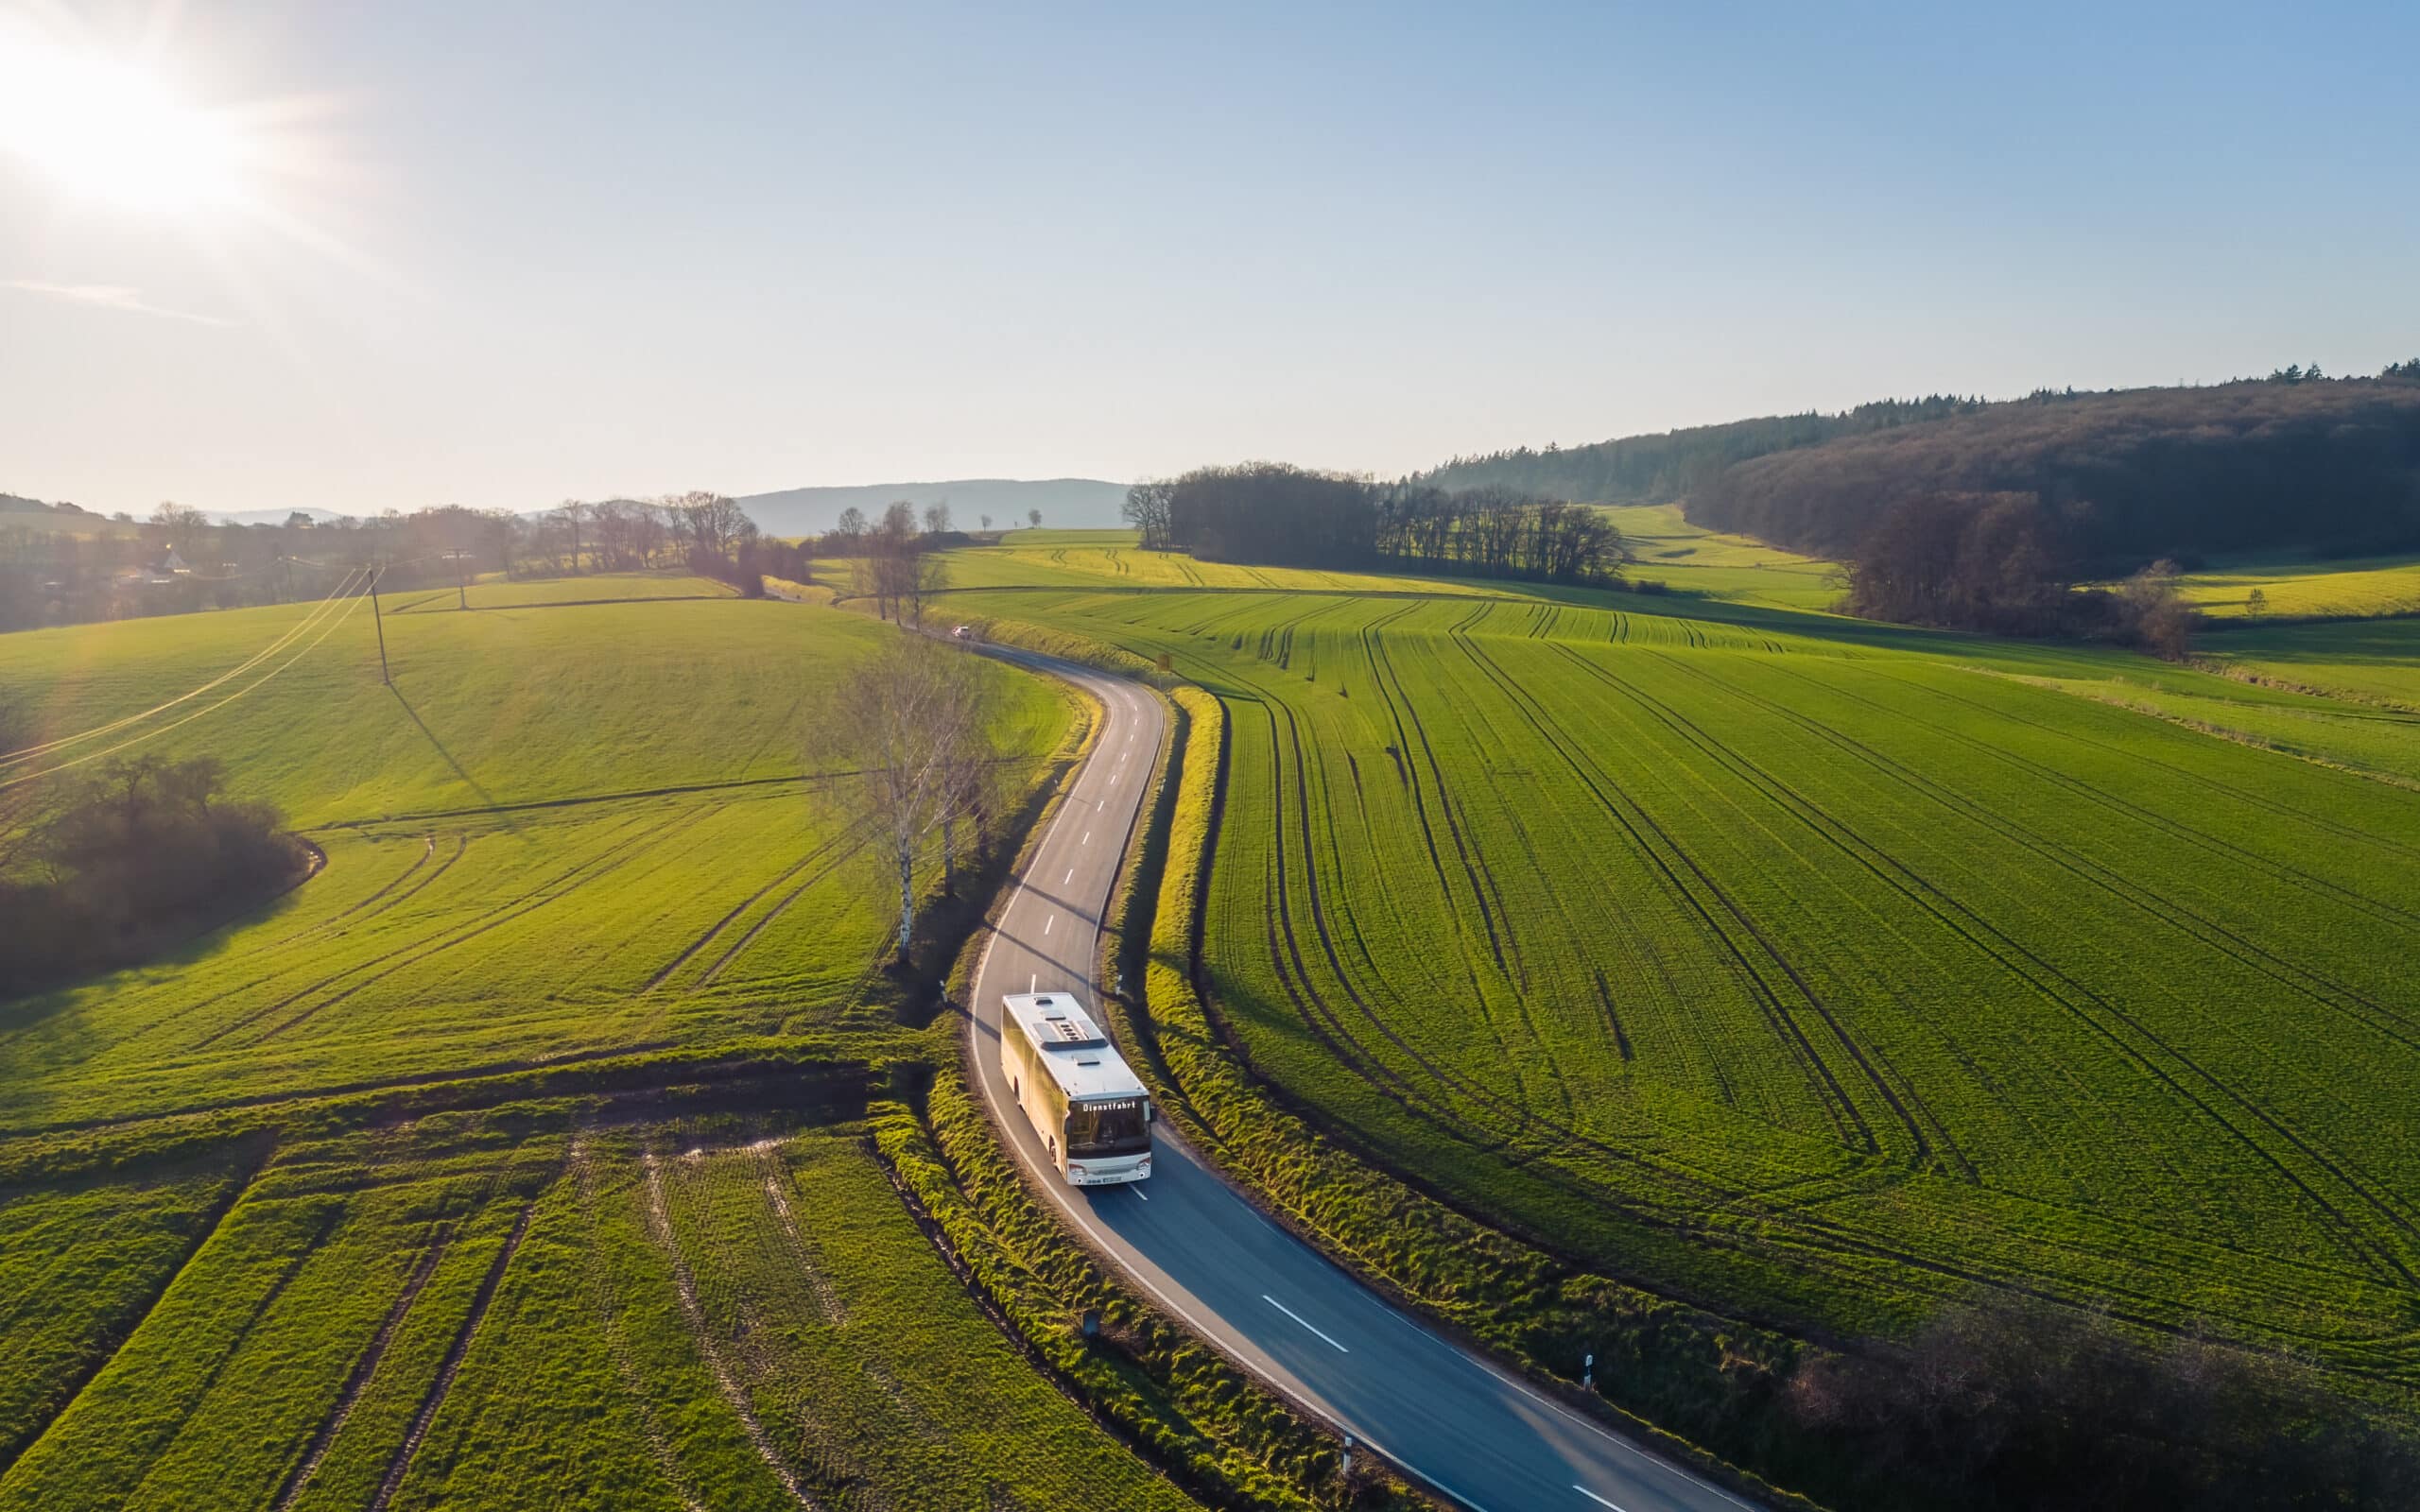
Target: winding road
point(1200, 1248)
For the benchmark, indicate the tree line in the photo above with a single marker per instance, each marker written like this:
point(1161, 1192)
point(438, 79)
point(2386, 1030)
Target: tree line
point(69, 567)
point(1276, 514)
point(1988, 521)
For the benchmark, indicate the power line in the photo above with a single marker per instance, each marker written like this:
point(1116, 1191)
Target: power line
point(300, 627)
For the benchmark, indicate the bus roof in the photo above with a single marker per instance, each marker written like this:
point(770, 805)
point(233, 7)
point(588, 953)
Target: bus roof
point(1082, 1060)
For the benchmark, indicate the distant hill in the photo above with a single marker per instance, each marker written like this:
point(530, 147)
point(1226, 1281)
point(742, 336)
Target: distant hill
point(1066, 503)
point(18, 504)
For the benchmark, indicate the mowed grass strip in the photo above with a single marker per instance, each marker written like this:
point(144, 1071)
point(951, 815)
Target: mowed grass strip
point(1817, 972)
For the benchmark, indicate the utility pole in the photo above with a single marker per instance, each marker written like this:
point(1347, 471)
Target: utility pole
point(379, 620)
point(461, 595)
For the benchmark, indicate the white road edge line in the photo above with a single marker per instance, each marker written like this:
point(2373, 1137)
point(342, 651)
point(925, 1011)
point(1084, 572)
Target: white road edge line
point(1594, 1496)
point(1298, 1317)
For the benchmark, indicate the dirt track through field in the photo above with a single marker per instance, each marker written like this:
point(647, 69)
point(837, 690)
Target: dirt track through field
point(363, 1370)
point(659, 1220)
point(402, 1463)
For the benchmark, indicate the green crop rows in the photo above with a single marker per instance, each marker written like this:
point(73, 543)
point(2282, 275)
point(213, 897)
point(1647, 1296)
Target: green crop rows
point(528, 1309)
point(1820, 971)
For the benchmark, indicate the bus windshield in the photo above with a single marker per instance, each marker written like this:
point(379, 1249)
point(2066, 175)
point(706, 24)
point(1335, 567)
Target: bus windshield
point(1108, 1129)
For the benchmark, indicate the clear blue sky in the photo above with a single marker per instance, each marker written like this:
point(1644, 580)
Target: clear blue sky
point(526, 251)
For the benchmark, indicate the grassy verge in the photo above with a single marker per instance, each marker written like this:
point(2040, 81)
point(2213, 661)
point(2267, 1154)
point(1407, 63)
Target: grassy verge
point(1220, 1433)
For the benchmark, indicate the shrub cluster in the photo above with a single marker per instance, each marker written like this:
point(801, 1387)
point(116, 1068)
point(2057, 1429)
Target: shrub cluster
point(143, 852)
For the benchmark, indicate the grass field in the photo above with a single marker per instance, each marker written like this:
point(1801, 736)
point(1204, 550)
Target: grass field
point(1822, 971)
point(1730, 568)
point(507, 877)
point(495, 591)
point(2318, 588)
point(1670, 549)
point(526, 1309)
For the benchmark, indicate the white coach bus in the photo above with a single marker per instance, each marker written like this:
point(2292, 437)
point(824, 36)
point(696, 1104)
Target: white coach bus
point(1092, 1115)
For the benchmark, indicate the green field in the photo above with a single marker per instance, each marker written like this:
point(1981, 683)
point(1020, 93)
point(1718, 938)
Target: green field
point(239, 1266)
point(1666, 547)
point(495, 591)
point(531, 1308)
point(2331, 588)
point(562, 831)
point(1819, 969)
point(1669, 549)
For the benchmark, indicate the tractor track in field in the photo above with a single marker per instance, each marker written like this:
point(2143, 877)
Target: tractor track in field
point(2217, 845)
point(401, 1464)
point(238, 1183)
point(427, 851)
point(1848, 1117)
point(582, 1168)
point(749, 901)
point(2345, 832)
point(659, 1222)
point(1524, 1121)
point(2305, 981)
point(739, 946)
point(358, 1379)
point(1823, 1236)
point(1399, 709)
point(819, 1278)
point(2049, 980)
point(445, 938)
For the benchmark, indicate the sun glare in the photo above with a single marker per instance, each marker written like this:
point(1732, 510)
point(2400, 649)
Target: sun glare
point(115, 133)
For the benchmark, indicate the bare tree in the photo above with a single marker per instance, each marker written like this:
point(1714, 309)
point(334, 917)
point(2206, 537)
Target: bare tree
point(927, 575)
point(912, 725)
point(1147, 510)
point(575, 515)
point(987, 524)
point(707, 522)
point(180, 528)
point(936, 520)
point(1033, 518)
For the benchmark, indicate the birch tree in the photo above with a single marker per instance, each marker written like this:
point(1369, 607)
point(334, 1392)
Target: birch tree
point(912, 725)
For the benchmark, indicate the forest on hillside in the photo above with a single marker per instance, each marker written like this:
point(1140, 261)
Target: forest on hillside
point(2331, 466)
point(1660, 468)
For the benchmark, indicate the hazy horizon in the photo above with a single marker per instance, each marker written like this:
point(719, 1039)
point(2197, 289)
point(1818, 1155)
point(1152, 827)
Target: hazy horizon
point(614, 249)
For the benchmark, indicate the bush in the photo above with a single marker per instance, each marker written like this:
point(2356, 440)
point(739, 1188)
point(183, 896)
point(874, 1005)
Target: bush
point(141, 853)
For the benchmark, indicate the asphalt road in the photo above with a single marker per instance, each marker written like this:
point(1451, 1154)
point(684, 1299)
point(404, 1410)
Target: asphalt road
point(1198, 1246)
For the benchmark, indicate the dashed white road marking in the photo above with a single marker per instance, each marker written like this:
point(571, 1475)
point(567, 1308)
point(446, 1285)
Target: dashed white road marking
point(1087, 839)
point(1598, 1499)
point(1137, 1188)
point(1031, 980)
point(1298, 1317)
point(1047, 922)
point(1068, 878)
